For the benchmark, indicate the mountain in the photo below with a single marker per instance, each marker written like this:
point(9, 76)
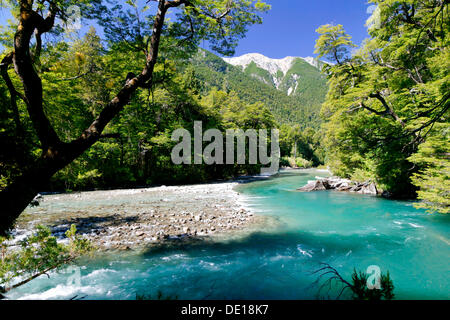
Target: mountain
point(293, 75)
point(292, 88)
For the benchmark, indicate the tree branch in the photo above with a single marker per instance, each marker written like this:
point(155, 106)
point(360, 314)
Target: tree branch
point(29, 21)
point(388, 110)
point(25, 281)
point(329, 270)
point(91, 70)
point(174, 3)
point(364, 106)
point(93, 132)
point(6, 62)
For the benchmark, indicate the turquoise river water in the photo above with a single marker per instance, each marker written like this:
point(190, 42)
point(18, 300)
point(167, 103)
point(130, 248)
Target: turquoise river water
point(344, 230)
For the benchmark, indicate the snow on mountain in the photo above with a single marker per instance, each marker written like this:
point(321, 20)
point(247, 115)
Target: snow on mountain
point(274, 67)
point(271, 65)
point(312, 61)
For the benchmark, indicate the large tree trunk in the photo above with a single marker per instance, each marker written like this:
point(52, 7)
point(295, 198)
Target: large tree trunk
point(16, 197)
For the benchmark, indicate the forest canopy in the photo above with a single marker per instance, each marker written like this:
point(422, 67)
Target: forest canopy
point(387, 109)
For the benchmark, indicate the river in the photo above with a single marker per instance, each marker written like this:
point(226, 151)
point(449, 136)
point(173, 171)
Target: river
point(344, 230)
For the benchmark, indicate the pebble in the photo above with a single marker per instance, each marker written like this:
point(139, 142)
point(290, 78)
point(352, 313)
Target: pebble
point(127, 225)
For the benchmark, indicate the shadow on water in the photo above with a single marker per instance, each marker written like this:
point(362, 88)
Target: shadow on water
point(270, 243)
point(293, 173)
point(284, 263)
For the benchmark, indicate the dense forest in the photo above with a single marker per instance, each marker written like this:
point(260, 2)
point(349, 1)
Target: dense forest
point(135, 149)
point(77, 113)
point(387, 109)
point(78, 77)
point(302, 109)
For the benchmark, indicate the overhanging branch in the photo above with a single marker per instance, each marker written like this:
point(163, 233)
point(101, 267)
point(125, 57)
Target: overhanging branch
point(6, 62)
point(94, 131)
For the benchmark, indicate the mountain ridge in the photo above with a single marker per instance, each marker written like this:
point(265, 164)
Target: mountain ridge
point(270, 64)
point(287, 74)
point(256, 85)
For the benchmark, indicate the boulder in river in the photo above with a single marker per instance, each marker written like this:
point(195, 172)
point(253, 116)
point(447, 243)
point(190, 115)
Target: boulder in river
point(370, 188)
point(317, 185)
point(338, 184)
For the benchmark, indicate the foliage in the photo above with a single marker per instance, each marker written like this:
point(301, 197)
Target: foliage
point(255, 84)
point(298, 162)
point(37, 255)
point(362, 292)
point(334, 43)
point(81, 75)
point(433, 178)
point(387, 99)
point(137, 150)
point(357, 286)
point(301, 148)
point(220, 22)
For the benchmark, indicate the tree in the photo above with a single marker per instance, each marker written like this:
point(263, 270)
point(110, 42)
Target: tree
point(389, 97)
point(433, 178)
point(357, 286)
point(334, 43)
point(221, 22)
point(37, 255)
point(300, 148)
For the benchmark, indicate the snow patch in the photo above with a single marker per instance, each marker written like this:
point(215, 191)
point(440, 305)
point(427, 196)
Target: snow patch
point(271, 65)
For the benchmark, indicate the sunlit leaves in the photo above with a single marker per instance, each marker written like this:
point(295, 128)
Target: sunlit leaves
point(334, 43)
point(434, 177)
point(38, 254)
point(386, 100)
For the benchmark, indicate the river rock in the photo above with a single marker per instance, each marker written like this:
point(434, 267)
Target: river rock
point(371, 189)
point(317, 185)
point(338, 184)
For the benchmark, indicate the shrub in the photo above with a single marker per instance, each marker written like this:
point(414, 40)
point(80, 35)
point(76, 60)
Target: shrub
point(37, 255)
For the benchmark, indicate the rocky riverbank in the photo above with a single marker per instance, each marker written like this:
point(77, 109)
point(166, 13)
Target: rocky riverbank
point(339, 184)
point(127, 219)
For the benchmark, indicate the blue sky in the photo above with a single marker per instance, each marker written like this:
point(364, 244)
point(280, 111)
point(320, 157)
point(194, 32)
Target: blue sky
point(289, 28)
